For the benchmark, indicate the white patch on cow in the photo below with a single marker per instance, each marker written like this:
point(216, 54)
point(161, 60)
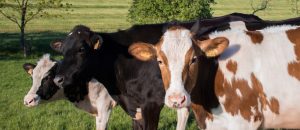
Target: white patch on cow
point(175, 45)
point(268, 62)
point(39, 72)
point(226, 121)
point(238, 92)
point(70, 33)
point(98, 102)
point(238, 25)
point(279, 28)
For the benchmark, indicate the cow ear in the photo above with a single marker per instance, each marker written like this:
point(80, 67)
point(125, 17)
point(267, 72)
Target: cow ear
point(56, 45)
point(195, 28)
point(96, 41)
point(142, 51)
point(213, 47)
point(28, 67)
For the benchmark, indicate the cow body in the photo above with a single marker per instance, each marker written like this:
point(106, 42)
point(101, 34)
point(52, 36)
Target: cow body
point(92, 98)
point(258, 83)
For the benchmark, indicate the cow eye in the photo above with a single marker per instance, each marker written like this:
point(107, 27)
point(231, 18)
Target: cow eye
point(159, 62)
point(81, 49)
point(194, 59)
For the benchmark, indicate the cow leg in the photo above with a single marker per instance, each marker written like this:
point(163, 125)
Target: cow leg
point(200, 115)
point(137, 124)
point(104, 106)
point(182, 117)
point(150, 114)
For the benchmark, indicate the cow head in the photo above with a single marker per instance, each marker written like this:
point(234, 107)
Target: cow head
point(177, 54)
point(78, 45)
point(43, 87)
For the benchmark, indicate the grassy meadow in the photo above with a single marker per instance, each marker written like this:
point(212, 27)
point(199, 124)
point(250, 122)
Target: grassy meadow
point(100, 15)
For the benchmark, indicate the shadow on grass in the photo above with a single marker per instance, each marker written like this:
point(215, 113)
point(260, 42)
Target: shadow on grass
point(10, 46)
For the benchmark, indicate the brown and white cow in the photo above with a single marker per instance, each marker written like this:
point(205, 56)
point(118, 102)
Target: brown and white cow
point(93, 97)
point(256, 78)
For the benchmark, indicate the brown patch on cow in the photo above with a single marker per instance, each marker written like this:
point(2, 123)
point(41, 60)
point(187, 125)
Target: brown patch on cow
point(201, 115)
point(294, 67)
point(274, 105)
point(189, 73)
point(164, 65)
point(232, 66)
point(164, 69)
point(256, 36)
point(244, 104)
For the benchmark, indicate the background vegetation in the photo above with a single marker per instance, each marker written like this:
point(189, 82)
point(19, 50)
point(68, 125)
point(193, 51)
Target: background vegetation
point(157, 11)
point(100, 15)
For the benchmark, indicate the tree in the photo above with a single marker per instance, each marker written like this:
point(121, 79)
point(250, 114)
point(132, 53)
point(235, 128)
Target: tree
point(262, 6)
point(156, 11)
point(23, 11)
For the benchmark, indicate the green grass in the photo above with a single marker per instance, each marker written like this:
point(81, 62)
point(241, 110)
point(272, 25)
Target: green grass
point(100, 15)
point(278, 9)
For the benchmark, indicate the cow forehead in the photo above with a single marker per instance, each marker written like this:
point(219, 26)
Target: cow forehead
point(43, 66)
point(176, 43)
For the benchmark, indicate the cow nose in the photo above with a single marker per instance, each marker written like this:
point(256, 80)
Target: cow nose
point(177, 100)
point(59, 80)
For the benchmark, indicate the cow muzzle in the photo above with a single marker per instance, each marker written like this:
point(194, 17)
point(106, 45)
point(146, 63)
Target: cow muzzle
point(177, 100)
point(31, 100)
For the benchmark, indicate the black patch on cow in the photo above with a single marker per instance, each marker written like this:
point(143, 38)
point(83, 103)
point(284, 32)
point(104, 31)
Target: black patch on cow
point(48, 87)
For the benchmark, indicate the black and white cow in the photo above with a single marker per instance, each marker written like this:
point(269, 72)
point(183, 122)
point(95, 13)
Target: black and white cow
point(91, 97)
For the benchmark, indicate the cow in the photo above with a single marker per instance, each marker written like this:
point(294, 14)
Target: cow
point(92, 97)
point(105, 56)
point(235, 78)
point(84, 59)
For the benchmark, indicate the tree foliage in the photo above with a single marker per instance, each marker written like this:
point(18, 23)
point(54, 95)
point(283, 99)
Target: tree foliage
point(263, 5)
point(156, 11)
point(23, 11)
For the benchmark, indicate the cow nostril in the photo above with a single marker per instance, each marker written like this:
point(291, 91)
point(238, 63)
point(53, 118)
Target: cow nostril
point(31, 101)
point(58, 80)
point(183, 100)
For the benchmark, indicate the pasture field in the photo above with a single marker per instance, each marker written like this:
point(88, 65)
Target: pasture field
point(100, 15)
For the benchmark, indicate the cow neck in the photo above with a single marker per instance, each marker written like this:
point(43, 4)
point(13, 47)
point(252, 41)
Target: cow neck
point(76, 92)
point(204, 92)
point(102, 62)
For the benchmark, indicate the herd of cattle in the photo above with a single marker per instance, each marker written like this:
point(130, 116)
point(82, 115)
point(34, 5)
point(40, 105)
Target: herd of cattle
point(235, 72)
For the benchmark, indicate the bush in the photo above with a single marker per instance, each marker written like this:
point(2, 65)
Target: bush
point(157, 11)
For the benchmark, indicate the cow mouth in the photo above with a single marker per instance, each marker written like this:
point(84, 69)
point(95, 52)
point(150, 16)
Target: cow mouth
point(179, 105)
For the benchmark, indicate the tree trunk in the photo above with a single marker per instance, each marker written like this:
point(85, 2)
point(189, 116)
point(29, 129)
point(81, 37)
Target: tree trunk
point(22, 41)
point(22, 28)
